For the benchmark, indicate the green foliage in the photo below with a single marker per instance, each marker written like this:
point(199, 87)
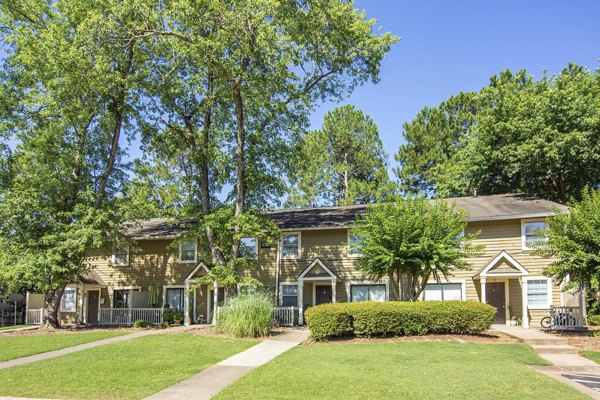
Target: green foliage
point(142, 324)
point(593, 320)
point(372, 319)
point(343, 163)
point(574, 243)
point(515, 135)
point(246, 315)
point(414, 239)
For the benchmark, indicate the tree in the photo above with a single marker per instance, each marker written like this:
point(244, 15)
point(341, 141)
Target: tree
point(230, 88)
point(68, 85)
point(411, 241)
point(537, 137)
point(433, 137)
point(342, 163)
point(574, 243)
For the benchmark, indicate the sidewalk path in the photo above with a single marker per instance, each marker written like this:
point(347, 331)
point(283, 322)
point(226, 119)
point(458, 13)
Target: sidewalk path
point(569, 367)
point(84, 346)
point(212, 380)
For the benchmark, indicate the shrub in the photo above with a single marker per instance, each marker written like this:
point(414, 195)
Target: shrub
point(396, 318)
point(328, 320)
point(246, 315)
point(593, 320)
point(142, 324)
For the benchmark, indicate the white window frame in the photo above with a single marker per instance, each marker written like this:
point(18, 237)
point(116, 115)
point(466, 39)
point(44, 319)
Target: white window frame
point(292, 257)
point(281, 285)
point(370, 283)
point(164, 296)
point(524, 222)
point(195, 242)
point(114, 256)
point(255, 245)
point(549, 294)
point(62, 309)
point(131, 289)
point(348, 247)
point(463, 287)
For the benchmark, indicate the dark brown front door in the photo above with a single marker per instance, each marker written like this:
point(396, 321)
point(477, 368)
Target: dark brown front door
point(93, 301)
point(322, 294)
point(494, 292)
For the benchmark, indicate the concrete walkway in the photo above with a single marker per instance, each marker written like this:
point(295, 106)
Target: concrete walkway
point(211, 381)
point(23, 328)
point(84, 346)
point(568, 366)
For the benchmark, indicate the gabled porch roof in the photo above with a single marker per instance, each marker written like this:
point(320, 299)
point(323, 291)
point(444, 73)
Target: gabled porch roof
point(503, 264)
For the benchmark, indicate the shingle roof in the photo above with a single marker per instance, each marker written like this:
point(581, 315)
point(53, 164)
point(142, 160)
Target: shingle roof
point(481, 208)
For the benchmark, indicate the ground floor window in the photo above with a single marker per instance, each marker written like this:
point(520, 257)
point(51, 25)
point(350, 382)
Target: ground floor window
point(121, 298)
point(443, 291)
point(175, 298)
point(289, 295)
point(538, 292)
point(367, 293)
point(67, 302)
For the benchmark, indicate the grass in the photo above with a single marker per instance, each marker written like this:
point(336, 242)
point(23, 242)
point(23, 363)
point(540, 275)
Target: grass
point(592, 355)
point(132, 369)
point(416, 370)
point(17, 346)
point(246, 315)
point(3, 328)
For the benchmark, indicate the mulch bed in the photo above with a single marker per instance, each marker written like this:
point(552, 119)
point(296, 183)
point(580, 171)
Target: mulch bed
point(488, 337)
point(43, 331)
point(582, 340)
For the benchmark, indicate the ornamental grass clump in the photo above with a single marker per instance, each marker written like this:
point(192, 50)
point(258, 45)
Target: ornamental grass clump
point(246, 315)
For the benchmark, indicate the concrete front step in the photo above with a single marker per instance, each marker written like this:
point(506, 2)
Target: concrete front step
point(554, 349)
point(545, 341)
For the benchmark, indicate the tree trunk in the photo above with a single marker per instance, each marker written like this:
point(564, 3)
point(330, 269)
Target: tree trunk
point(240, 161)
point(52, 307)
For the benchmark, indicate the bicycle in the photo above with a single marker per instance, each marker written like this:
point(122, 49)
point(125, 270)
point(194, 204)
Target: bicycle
point(564, 319)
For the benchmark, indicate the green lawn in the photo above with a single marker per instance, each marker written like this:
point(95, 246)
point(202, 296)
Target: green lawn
point(424, 370)
point(132, 369)
point(592, 355)
point(25, 345)
point(3, 328)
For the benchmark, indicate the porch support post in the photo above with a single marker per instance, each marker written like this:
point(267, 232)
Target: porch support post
point(333, 290)
point(524, 301)
point(186, 303)
point(300, 300)
point(215, 302)
point(483, 296)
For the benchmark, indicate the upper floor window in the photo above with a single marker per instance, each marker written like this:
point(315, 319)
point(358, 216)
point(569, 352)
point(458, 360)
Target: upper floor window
point(249, 247)
point(120, 256)
point(187, 252)
point(67, 302)
point(353, 240)
point(533, 234)
point(290, 245)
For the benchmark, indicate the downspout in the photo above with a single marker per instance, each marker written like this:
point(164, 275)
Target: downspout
point(277, 271)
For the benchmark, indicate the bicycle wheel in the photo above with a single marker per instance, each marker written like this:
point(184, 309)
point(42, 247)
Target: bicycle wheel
point(546, 322)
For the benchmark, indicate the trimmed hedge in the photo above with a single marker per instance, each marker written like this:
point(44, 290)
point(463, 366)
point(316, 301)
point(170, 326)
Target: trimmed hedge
point(395, 318)
point(594, 320)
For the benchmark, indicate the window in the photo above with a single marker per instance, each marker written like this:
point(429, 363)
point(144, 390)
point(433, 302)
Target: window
point(249, 247)
point(533, 234)
point(120, 256)
point(289, 295)
point(67, 302)
point(290, 245)
point(443, 291)
point(121, 298)
point(175, 298)
point(367, 293)
point(352, 240)
point(187, 252)
point(538, 293)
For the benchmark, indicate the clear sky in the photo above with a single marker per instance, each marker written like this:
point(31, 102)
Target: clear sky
point(448, 46)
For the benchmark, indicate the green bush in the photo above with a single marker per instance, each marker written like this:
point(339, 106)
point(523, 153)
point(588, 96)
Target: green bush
point(246, 315)
point(328, 320)
point(142, 324)
point(593, 320)
point(394, 318)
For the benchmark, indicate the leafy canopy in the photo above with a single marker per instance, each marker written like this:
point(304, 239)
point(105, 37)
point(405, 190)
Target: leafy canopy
point(411, 241)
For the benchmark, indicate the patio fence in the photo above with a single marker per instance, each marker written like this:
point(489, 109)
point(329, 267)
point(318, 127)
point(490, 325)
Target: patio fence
point(566, 317)
point(286, 316)
point(127, 316)
point(34, 317)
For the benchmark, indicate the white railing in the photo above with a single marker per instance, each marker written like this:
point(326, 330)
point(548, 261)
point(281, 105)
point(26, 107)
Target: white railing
point(34, 317)
point(127, 316)
point(286, 316)
point(566, 317)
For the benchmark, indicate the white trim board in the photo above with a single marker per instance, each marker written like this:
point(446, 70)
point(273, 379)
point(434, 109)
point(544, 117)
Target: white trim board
point(507, 257)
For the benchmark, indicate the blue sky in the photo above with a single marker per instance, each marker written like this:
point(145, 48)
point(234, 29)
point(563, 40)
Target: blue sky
point(451, 46)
